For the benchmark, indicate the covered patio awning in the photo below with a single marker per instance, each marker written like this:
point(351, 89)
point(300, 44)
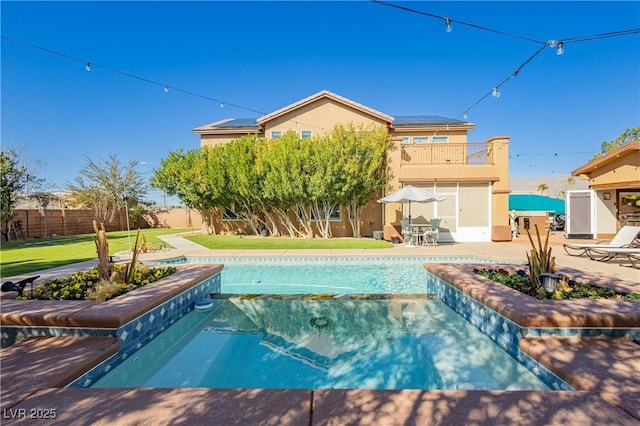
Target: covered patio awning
point(536, 203)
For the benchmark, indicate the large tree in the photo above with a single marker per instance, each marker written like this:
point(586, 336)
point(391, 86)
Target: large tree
point(290, 182)
point(107, 186)
point(281, 164)
point(197, 178)
point(629, 135)
point(14, 178)
point(364, 162)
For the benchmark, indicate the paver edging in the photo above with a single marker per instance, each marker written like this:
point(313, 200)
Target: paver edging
point(59, 317)
point(529, 312)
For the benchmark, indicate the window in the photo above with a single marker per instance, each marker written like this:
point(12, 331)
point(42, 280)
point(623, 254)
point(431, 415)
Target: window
point(305, 134)
point(334, 216)
point(405, 140)
point(420, 139)
point(275, 134)
point(229, 213)
point(441, 139)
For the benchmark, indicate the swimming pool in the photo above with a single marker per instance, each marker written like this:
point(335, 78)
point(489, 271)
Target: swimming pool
point(330, 275)
point(331, 278)
point(343, 342)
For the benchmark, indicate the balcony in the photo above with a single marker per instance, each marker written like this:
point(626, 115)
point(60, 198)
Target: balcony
point(468, 154)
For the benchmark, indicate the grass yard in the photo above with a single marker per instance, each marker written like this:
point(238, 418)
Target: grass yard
point(231, 242)
point(25, 256)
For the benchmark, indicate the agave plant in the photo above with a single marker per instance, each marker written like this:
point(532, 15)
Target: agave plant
point(540, 259)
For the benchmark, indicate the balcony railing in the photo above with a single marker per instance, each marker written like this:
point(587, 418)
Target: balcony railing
point(446, 153)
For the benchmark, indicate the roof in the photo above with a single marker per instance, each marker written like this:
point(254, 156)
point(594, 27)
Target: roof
point(329, 95)
point(230, 124)
point(418, 120)
point(626, 149)
point(404, 122)
point(537, 203)
point(239, 122)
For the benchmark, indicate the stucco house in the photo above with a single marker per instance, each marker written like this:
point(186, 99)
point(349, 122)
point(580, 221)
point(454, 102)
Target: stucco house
point(614, 190)
point(428, 151)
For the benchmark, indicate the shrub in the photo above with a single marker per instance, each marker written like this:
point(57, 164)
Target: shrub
point(80, 284)
point(567, 289)
point(104, 290)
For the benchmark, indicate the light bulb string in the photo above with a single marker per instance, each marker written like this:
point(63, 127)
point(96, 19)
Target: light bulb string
point(447, 19)
point(451, 20)
point(553, 154)
point(537, 167)
point(165, 86)
point(499, 85)
point(553, 43)
point(93, 65)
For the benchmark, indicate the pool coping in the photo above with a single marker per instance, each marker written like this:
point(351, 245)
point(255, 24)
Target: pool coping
point(529, 312)
point(109, 314)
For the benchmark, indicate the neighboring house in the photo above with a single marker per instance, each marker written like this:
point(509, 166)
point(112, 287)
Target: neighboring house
point(614, 179)
point(428, 151)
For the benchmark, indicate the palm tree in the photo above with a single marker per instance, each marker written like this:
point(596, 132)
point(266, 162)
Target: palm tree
point(542, 187)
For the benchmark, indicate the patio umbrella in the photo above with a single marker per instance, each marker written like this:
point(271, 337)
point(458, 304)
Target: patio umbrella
point(409, 194)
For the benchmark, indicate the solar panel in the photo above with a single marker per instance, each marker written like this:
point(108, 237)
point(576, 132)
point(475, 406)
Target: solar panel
point(240, 122)
point(416, 120)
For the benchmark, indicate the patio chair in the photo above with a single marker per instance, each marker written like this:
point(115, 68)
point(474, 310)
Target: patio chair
point(431, 234)
point(406, 231)
point(625, 238)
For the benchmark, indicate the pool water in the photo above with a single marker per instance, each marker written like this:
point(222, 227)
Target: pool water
point(344, 342)
point(329, 278)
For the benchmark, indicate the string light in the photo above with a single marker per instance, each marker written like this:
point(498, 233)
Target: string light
point(554, 154)
point(468, 24)
point(447, 25)
point(512, 75)
point(559, 45)
point(166, 89)
point(495, 92)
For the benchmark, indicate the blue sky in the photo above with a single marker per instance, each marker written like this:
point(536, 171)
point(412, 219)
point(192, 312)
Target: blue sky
point(266, 55)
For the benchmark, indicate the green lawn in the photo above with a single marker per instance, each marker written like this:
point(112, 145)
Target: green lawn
point(267, 243)
point(25, 256)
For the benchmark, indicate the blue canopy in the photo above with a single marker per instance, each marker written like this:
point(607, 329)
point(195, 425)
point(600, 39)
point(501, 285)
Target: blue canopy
point(533, 202)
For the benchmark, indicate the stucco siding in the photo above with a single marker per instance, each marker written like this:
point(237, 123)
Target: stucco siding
point(319, 117)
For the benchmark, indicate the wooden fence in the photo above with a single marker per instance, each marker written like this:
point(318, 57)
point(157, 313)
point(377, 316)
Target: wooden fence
point(39, 223)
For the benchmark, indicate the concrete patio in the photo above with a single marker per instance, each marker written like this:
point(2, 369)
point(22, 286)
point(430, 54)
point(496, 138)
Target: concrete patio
point(604, 371)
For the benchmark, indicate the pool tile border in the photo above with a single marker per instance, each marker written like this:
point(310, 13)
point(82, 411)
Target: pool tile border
point(139, 331)
point(20, 319)
point(501, 330)
point(12, 334)
point(288, 260)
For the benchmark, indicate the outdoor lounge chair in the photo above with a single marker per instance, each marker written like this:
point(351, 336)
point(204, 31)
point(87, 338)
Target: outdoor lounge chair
point(625, 238)
point(632, 254)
